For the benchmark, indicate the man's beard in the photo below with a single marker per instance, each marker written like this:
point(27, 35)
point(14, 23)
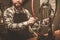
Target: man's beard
point(17, 5)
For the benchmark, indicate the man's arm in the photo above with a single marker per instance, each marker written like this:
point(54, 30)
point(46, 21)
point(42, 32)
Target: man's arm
point(8, 15)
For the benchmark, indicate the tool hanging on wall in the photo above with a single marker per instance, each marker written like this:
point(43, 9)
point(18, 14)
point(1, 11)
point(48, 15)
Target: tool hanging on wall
point(50, 9)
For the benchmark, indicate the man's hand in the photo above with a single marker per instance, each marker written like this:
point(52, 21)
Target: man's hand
point(32, 20)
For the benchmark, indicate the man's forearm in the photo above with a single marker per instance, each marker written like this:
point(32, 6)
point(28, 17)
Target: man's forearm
point(19, 25)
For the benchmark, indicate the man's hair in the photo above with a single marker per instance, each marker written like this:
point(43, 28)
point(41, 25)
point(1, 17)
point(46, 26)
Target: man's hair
point(25, 1)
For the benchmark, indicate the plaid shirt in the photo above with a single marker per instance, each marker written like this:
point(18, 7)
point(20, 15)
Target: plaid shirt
point(23, 28)
point(8, 15)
